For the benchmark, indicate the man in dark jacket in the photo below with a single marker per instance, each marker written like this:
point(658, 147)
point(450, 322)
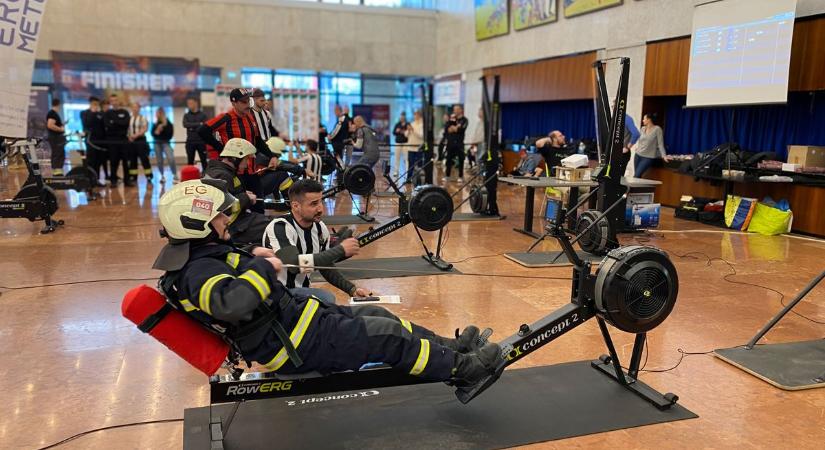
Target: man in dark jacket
point(192, 120)
point(116, 121)
point(95, 131)
point(211, 280)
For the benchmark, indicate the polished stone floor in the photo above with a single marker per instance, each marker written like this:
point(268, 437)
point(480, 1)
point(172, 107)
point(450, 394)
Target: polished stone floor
point(72, 363)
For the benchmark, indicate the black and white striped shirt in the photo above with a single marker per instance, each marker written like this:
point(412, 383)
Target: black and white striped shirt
point(136, 123)
point(313, 163)
point(264, 121)
point(285, 231)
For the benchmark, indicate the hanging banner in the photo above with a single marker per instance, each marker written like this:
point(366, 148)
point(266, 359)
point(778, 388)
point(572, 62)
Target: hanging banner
point(295, 113)
point(222, 103)
point(377, 117)
point(19, 34)
point(140, 78)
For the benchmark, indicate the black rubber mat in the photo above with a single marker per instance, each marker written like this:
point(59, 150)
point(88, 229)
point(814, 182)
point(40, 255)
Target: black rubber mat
point(405, 266)
point(549, 259)
point(466, 217)
point(792, 366)
point(525, 406)
point(344, 220)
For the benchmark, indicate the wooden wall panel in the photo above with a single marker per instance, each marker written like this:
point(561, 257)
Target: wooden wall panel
point(808, 56)
point(666, 65)
point(807, 218)
point(563, 78)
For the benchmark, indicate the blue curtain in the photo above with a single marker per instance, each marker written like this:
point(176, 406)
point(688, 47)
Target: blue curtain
point(769, 128)
point(574, 118)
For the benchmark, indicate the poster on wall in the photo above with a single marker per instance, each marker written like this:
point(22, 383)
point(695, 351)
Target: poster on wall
point(134, 78)
point(492, 18)
point(531, 13)
point(19, 34)
point(377, 117)
point(447, 92)
point(295, 113)
point(38, 108)
point(222, 103)
point(574, 8)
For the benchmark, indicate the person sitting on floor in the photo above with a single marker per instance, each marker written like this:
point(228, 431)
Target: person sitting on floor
point(237, 289)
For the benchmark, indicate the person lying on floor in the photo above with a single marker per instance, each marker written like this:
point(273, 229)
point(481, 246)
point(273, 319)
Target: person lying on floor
point(239, 291)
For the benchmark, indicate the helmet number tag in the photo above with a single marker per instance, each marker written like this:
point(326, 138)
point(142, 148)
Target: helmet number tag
point(202, 206)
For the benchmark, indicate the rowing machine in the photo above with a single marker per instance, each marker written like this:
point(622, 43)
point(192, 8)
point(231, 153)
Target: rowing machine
point(634, 289)
point(36, 200)
point(358, 179)
point(430, 208)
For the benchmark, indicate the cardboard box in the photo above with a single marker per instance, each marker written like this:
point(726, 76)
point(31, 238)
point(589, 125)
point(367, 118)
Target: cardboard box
point(806, 155)
point(637, 198)
point(568, 174)
point(643, 216)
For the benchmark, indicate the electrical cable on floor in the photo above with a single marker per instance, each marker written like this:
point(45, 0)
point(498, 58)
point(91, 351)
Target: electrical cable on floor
point(112, 427)
point(415, 272)
point(476, 257)
point(68, 283)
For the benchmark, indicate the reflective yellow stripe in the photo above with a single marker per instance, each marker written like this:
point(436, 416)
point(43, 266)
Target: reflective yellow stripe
point(406, 324)
point(285, 184)
point(206, 292)
point(296, 336)
point(237, 182)
point(233, 259)
point(423, 357)
point(187, 305)
point(258, 282)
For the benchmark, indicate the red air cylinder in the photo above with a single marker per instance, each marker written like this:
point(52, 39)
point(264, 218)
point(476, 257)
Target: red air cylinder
point(177, 331)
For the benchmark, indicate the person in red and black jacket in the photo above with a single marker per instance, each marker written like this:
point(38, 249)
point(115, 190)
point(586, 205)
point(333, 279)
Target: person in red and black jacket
point(239, 123)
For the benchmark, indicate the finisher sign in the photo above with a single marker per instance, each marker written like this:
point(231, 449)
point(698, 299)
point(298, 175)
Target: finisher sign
point(20, 27)
point(82, 74)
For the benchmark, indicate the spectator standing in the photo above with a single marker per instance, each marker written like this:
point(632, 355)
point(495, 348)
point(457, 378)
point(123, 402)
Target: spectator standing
point(162, 132)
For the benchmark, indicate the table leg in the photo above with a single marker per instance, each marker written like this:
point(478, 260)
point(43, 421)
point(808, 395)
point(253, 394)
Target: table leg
point(529, 200)
point(571, 201)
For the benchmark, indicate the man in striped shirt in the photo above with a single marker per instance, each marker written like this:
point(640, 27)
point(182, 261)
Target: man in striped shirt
point(238, 123)
point(312, 161)
point(304, 230)
point(263, 118)
point(138, 125)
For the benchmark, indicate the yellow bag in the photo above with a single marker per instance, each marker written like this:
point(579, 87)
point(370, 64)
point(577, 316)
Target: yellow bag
point(770, 221)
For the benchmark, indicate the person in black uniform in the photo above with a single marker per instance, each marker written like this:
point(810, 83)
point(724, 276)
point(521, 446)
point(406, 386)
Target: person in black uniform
point(247, 225)
point(278, 177)
point(456, 128)
point(192, 120)
point(339, 136)
point(116, 121)
point(57, 139)
point(214, 281)
point(95, 131)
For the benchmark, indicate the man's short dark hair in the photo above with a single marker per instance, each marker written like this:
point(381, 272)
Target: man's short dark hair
point(305, 186)
point(312, 145)
point(94, 99)
point(55, 102)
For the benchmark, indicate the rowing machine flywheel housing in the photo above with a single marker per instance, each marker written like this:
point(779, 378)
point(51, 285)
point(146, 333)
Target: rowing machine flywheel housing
point(478, 199)
point(359, 179)
point(636, 288)
point(431, 207)
point(595, 241)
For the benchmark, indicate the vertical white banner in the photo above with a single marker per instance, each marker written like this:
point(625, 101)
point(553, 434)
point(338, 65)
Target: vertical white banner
point(20, 29)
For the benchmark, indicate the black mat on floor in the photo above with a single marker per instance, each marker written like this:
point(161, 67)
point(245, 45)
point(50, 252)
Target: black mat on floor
point(525, 406)
point(405, 266)
point(345, 220)
point(466, 217)
point(792, 366)
point(545, 259)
